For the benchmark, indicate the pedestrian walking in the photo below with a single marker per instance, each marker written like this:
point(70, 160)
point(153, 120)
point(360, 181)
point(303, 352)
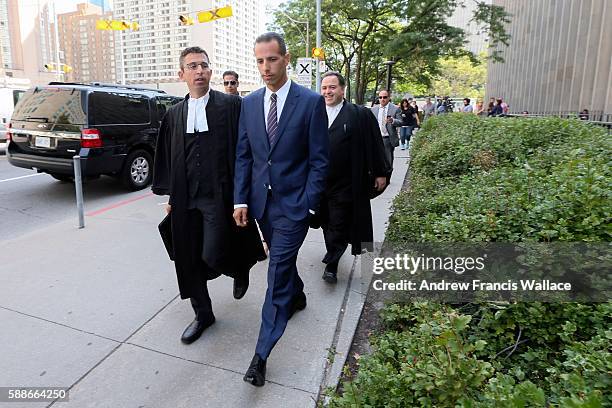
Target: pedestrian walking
point(408, 121)
point(429, 109)
point(480, 109)
point(358, 170)
point(497, 109)
point(388, 123)
point(230, 82)
point(467, 107)
point(281, 167)
point(194, 162)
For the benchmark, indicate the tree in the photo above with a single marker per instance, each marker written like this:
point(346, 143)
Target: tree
point(360, 35)
point(460, 77)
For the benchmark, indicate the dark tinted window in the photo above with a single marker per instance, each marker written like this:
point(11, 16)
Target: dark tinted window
point(110, 108)
point(51, 105)
point(164, 103)
point(17, 93)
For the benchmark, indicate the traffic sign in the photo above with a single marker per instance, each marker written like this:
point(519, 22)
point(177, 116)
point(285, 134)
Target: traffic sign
point(303, 70)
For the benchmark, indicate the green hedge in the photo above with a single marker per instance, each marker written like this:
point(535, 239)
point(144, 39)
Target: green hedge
point(507, 180)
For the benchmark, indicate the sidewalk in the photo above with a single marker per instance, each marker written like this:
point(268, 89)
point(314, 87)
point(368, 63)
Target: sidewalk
point(97, 310)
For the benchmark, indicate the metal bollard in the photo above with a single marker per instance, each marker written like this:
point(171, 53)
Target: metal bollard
point(78, 184)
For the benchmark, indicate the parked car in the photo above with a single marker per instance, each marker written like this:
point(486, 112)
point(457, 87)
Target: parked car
point(8, 100)
point(2, 132)
point(113, 128)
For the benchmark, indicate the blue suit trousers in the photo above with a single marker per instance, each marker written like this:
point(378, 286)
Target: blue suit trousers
point(284, 237)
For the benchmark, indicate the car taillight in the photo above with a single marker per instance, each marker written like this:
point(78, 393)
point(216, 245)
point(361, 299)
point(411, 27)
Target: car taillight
point(91, 138)
point(8, 133)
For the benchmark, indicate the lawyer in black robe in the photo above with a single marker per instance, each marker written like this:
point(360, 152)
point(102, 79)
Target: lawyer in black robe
point(357, 159)
point(170, 178)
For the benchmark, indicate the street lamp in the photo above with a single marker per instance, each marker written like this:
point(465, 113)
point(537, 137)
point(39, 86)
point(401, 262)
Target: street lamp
point(389, 64)
point(307, 30)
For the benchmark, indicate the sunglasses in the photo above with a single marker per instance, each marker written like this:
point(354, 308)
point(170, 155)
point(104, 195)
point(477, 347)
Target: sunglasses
point(226, 83)
point(383, 97)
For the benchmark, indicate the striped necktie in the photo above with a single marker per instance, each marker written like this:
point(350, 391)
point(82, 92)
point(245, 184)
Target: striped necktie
point(272, 123)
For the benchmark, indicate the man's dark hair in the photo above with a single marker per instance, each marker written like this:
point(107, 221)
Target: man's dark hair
point(230, 73)
point(192, 50)
point(466, 100)
point(271, 36)
point(386, 90)
point(341, 79)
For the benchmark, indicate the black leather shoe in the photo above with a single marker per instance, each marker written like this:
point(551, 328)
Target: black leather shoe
point(330, 277)
point(195, 329)
point(298, 303)
point(256, 373)
point(330, 274)
point(241, 284)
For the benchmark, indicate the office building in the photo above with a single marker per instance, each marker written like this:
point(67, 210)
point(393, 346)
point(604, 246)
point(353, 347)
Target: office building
point(559, 57)
point(28, 40)
point(89, 52)
point(150, 55)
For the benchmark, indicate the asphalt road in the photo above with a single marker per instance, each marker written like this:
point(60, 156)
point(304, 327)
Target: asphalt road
point(30, 201)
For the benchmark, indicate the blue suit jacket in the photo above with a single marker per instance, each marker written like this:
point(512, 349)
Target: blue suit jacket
point(295, 166)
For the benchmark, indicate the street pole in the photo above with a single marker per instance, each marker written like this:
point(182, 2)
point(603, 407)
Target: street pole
point(57, 53)
point(307, 40)
point(307, 30)
point(389, 65)
point(78, 185)
point(318, 44)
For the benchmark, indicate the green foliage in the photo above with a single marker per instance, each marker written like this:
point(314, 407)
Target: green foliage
point(505, 180)
point(360, 35)
point(460, 77)
point(439, 355)
point(486, 179)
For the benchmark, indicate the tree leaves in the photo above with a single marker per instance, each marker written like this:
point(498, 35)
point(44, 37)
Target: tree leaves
point(360, 35)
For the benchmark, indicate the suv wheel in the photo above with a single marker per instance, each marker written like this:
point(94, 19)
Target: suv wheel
point(137, 170)
point(62, 177)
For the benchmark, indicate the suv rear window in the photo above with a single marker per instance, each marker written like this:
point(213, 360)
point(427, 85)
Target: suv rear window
point(51, 105)
point(111, 108)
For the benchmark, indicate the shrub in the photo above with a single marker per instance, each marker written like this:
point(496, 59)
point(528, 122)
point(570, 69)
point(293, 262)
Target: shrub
point(506, 180)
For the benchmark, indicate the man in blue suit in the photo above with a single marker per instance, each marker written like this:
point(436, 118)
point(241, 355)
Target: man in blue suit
point(281, 167)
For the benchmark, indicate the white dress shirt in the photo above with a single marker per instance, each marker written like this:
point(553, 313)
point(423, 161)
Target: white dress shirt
point(382, 120)
point(332, 113)
point(196, 114)
point(281, 97)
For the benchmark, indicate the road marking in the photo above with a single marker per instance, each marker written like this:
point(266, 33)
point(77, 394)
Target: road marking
point(119, 204)
point(22, 177)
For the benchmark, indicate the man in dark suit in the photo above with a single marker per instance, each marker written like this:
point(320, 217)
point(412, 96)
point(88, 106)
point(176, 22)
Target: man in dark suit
point(230, 82)
point(358, 169)
point(281, 165)
point(385, 115)
point(194, 165)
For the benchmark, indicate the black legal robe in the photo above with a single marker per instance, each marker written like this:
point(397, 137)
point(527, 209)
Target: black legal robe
point(170, 178)
point(356, 129)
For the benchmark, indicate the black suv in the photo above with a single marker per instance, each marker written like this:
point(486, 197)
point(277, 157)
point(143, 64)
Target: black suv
point(113, 128)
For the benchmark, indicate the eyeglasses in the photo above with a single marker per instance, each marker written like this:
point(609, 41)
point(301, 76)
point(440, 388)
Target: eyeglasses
point(226, 83)
point(383, 97)
point(194, 65)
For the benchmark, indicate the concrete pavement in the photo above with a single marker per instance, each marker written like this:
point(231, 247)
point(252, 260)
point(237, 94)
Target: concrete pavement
point(97, 310)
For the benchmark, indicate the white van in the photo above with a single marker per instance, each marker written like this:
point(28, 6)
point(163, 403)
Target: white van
point(8, 100)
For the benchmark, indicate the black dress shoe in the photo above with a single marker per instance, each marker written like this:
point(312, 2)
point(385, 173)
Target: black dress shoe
point(241, 284)
point(195, 329)
point(256, 373)
point(298, 303)
point(330, 274)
